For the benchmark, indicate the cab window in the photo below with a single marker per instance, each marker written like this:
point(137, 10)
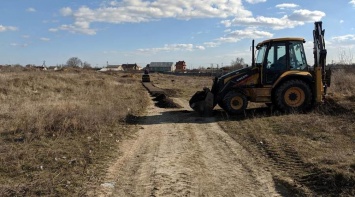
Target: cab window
point(276, 62)
point(260, 55)
point(276, 58)
point(297, 56)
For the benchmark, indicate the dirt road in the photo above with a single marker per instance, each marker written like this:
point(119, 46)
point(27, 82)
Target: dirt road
point(177, 153)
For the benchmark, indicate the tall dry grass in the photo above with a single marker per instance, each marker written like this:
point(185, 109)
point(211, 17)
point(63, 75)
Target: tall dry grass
point(58, 129)
point(343, 81)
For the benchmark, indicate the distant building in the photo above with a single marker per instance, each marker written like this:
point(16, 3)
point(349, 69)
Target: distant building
point(111, 68)
point(123, 67)
point(131, 67)
point(161, 67)
point(180, 66)
point(32, 66)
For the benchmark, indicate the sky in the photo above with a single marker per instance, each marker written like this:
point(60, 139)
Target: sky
point(203, 33)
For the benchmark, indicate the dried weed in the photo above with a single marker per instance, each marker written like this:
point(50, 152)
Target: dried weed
point(59, 129)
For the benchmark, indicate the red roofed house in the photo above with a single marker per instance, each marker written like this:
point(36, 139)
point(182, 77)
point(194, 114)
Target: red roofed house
point(180, 66)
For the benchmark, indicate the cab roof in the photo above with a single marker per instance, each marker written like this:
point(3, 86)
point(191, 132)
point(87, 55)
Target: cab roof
point(281, 40)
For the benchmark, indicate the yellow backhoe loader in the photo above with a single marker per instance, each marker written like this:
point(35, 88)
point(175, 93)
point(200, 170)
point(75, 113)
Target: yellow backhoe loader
point(279, 76)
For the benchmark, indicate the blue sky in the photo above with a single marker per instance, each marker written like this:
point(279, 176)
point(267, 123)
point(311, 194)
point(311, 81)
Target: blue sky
point(201, 32)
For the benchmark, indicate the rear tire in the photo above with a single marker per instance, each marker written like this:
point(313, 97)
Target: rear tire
point(235, 102)
point(293, 95)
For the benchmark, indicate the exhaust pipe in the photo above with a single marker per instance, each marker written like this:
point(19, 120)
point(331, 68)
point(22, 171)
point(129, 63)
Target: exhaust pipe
point(253, 54)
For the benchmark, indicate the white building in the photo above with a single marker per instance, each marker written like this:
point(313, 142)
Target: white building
point(162, 67)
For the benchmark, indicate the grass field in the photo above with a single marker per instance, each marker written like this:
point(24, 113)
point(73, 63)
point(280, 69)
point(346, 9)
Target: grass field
point(59, 130)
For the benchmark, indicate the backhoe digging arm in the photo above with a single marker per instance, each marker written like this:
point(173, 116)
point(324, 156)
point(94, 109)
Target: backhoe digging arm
point(322, 77)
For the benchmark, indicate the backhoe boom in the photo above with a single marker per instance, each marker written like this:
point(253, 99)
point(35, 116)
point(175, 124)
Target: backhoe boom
point(320, 54)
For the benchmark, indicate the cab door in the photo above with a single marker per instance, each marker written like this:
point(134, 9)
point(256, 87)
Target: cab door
point(276, 62)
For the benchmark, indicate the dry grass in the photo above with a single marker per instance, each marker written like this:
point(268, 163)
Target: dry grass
point(58, 129)
point(315, 150)
point(342, 85)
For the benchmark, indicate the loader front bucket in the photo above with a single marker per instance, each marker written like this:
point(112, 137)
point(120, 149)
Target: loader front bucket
point(203, 102)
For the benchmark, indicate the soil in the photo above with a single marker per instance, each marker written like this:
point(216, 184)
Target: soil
point(177, 153)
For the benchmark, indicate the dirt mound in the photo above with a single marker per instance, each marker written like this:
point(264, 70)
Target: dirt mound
point(160, 96)
point(172, 92)
point(163, 101)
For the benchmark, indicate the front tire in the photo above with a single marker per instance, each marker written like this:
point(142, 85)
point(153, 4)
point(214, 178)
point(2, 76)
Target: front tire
point(293, 95)
point(235, 102)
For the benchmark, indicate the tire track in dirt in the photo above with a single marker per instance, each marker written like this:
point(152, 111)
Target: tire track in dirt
point(307, 179)
point(176, 153)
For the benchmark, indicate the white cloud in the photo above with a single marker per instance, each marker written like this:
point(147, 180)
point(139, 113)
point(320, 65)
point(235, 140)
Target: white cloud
point(286, 6)
point(352, 2)
point(31, 10)
point(306, 15)
point(67, 11)
point(45, 39)
point(200, 47)
point(249, 33)
point(297, 18)
point(53, 30)
point(50, 21)
point(82, 24)
point(341, 21)
point(228, 39)
point(345, 38)
point(212, 44)
point(136, 11)
point(173, 47)
point(275, 23)
point(113, 3)
point(255, 1)
point(7, 28)
point(74, 29)
point(19, 45)
point(238, 35)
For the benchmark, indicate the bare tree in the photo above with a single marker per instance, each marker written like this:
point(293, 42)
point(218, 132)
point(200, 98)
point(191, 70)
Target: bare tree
point(74, 62)
point(344, 57)
point(86, 65)
point(237, 63)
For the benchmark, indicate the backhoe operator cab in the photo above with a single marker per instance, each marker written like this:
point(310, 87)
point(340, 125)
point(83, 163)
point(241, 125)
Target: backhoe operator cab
point(285, 77)
point(277, 56)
